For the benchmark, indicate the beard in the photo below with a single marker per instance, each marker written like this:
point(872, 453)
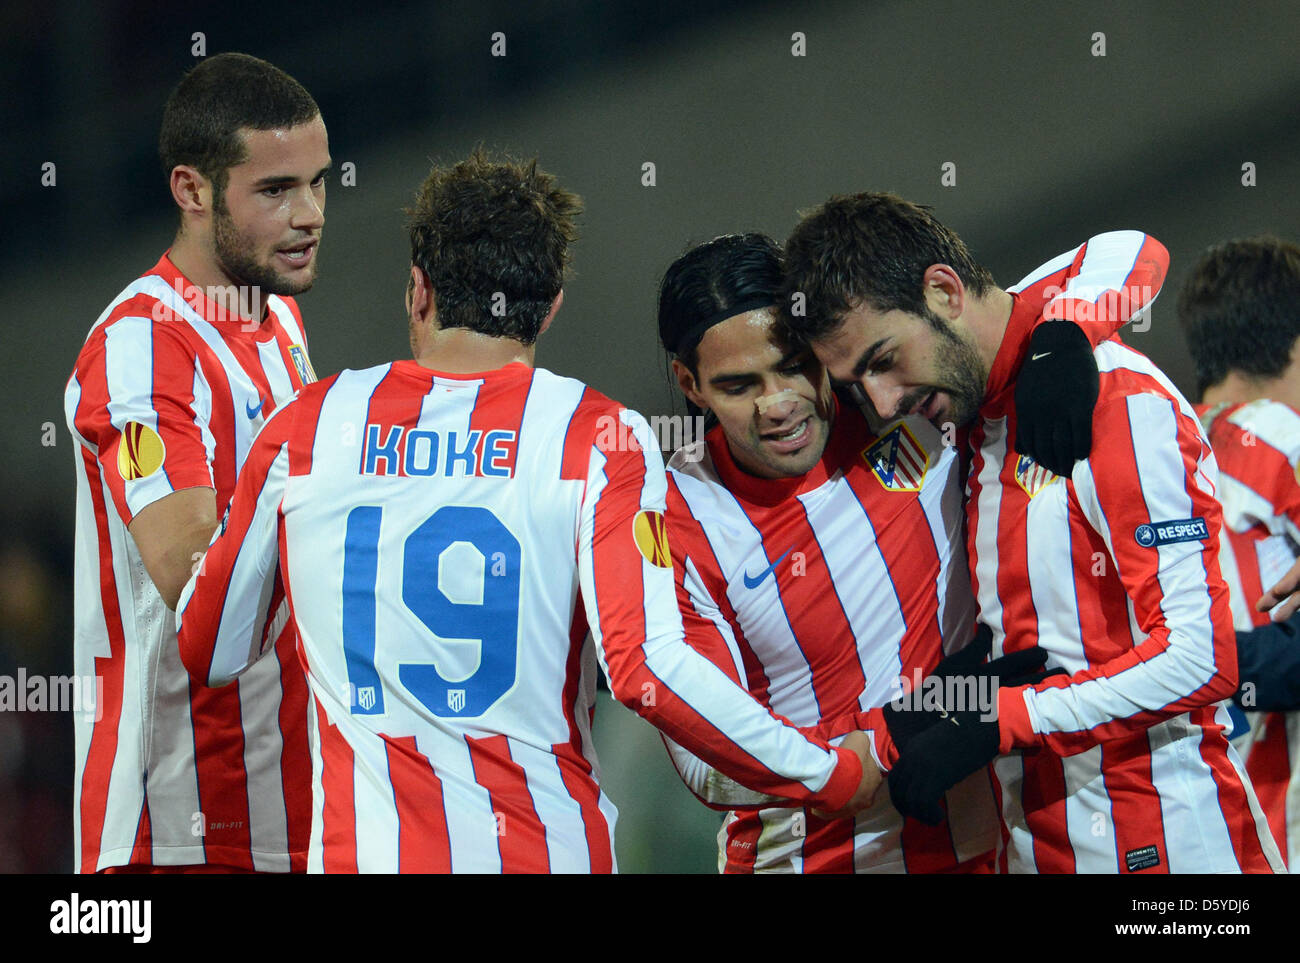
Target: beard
point(234, 252)
point(959, 373)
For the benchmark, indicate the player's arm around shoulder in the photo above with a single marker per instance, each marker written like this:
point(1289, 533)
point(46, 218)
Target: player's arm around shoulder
point(625, 565)
point(1113, 281)
point(224, 607)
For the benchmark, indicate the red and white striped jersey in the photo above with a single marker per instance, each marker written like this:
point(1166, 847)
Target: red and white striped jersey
point(1257, 446)
point(826, 595)
point(168, 393)
point(1115, 572)
point(445, 540)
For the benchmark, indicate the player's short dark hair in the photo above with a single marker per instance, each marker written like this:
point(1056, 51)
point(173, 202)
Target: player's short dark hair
point(710, 279)
point(1240, 309)
point(221, 95)
point(486, 228)
point(870, 248)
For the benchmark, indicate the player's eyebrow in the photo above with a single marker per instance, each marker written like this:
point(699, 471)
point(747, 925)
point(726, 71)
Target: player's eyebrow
point(285, 180)
point(865, 359)
point(725, 377)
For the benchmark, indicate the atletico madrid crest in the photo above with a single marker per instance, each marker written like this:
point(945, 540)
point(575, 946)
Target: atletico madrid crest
point(1031, 476)
point(898, 460)
point(305, 372)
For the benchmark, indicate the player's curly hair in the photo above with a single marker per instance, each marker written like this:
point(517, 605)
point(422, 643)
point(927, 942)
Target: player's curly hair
point(870, 248)
point(226, 92)
point(493, 237)
point(1238, 309)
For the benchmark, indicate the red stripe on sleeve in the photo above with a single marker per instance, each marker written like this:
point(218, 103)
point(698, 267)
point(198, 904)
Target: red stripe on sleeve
point(225, 471)
point(619, 569)
point(203, 611)
point(174, 366)
point(1104, 313)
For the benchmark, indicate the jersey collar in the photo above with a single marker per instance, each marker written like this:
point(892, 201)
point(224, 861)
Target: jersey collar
point(847, 434)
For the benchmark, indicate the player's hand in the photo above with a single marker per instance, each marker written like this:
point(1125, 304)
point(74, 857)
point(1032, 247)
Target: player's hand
point(860, 743)
point(906, 721)
point(1056, 393)
point(1285, 586)
point(937, 760)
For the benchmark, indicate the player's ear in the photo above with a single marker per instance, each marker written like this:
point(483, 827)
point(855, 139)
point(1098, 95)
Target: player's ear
point(420, 304)
point(944, 292)
point(550, 315)
point(690, 387)
point(191, 191)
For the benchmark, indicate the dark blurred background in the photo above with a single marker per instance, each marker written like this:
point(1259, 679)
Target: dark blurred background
point(1051, 143)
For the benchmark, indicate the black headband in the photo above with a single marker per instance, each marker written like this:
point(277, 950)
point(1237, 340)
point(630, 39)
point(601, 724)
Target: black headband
point(694, 334)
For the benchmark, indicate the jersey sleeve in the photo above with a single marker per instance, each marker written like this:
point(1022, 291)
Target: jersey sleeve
point(1112, 280)
point(137, 410)
point(1148, 496)
point(232, 609)
point(1269, 440)
point(627, 584)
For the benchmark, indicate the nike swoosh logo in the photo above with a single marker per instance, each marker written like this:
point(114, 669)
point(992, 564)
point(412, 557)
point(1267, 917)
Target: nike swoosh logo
point(1037, 356)
point(252, 412)
point(751, 583)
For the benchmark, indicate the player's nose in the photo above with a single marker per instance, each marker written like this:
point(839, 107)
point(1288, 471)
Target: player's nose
point(884, 396)
point(777, 405)
point(308, 211)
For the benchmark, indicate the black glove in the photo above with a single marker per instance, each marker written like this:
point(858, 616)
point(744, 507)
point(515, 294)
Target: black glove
point(938, 759)
point(1056, 393)
point(907, 721)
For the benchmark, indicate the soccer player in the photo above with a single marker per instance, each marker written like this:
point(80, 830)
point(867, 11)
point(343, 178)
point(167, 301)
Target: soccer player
point(1238, 312)
point(446, 530)
point(1123, 766)
point(819, 561)
point(174, 380)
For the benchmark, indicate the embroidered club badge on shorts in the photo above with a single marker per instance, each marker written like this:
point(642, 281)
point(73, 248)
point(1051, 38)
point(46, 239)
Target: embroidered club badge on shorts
point(140, 453)
point(650, 532)
point(897, 460)
point(299, 356)
point(1031, 476)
